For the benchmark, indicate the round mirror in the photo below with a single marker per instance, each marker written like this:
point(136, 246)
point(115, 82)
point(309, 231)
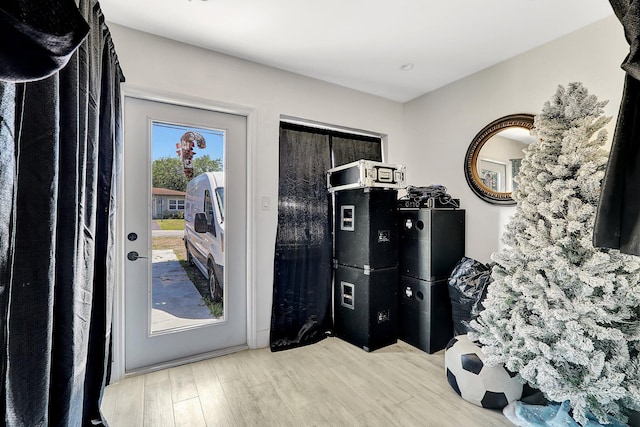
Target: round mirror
point(493, 158)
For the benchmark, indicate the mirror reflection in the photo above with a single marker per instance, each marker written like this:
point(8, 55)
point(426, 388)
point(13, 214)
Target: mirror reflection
point(500, 157)
point(494, 157)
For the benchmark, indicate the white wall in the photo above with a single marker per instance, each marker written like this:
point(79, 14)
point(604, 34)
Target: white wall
point(429, 134)
point(439, 126)
point(159, 64)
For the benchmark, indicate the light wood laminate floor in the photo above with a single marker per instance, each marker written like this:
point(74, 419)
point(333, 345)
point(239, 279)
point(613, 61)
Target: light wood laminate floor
point(331, 383)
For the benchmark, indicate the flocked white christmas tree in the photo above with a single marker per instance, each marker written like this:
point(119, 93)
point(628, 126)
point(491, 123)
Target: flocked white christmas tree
point(561, 313)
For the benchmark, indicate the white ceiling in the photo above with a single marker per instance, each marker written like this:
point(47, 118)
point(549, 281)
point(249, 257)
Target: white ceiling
point(362, 44)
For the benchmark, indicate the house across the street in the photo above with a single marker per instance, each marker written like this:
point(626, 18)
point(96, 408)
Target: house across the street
point(166, 202)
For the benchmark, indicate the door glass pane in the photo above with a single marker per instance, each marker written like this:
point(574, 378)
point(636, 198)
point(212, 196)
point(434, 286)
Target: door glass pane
point(187, 220)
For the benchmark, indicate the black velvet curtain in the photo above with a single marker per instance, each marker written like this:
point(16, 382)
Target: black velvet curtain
point(60, 150)
point(301, 311)
point(37, 38)
point(618, 219)
point(351, 148)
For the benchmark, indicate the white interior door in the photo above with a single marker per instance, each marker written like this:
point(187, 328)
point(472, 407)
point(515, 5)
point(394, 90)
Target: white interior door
point(149, 299)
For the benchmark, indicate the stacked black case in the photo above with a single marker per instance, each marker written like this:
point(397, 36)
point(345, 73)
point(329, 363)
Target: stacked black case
point(366, 267)
point(431, 242)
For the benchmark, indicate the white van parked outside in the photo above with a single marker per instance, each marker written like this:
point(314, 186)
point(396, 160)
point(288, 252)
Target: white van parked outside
point(204, 229)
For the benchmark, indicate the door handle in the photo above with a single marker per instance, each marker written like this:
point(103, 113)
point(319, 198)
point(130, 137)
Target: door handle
point(133, 255)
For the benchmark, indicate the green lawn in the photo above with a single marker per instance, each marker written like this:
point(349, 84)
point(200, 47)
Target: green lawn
point(171, 224)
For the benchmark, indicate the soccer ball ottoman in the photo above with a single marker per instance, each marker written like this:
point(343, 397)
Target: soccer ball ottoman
point(491, 387)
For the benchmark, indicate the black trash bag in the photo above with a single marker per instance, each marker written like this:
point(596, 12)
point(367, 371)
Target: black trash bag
point(467, 289)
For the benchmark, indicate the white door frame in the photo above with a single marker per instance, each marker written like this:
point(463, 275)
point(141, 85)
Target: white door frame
point(118, 323)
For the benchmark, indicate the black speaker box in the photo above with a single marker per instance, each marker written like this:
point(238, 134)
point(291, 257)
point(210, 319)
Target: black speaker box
point(365, 306)
point(431, 242)
point(425, 313)
point(366, 232)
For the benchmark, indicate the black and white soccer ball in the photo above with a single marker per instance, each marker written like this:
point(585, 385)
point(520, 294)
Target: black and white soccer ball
point(491, 387)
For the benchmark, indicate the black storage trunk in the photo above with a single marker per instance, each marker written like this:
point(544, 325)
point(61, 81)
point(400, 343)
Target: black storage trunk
point(365, 306)
point(366, 231)
point(431, 242)
point(425, 313)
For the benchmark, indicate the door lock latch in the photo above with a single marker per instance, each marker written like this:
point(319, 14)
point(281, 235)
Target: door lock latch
point(133, 255)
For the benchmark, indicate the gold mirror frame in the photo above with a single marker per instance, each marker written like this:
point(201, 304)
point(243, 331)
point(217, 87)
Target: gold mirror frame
point(471, 159)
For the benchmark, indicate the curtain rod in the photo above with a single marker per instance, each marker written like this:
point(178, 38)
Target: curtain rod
point(312, 123)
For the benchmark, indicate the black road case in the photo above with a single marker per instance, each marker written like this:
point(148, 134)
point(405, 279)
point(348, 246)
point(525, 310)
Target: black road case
point(365, 306)
point(431, 242)
point(425, 313)
point(366, 231)
point(365, 173)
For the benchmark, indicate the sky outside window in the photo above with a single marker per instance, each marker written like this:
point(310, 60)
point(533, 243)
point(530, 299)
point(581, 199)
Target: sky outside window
point(165, 136)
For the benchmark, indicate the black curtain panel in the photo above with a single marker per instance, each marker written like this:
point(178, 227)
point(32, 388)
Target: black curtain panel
point(37, 38)
point(301, 311)
point(350, 148)
point(618, 219)
point(302, 283)
point(60, 144)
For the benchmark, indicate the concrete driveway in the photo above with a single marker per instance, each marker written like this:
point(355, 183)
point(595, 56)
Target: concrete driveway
point(167, 233)
point(176, 303)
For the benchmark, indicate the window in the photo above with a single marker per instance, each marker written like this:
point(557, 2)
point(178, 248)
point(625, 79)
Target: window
point(176, 204)
point(220, 198)
point(208, 210)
